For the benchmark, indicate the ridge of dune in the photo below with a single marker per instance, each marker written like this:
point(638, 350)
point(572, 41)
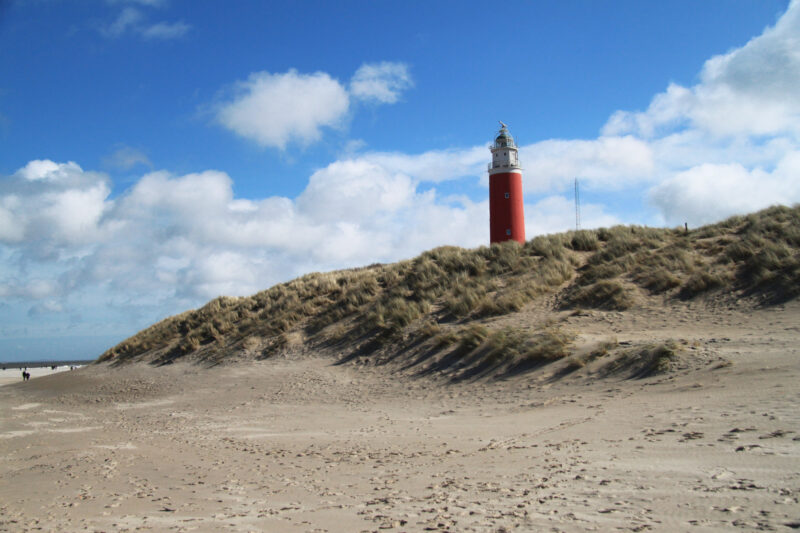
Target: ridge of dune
point(497, 311)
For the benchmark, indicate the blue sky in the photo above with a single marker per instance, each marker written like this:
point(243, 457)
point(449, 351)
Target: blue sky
point(157, 153)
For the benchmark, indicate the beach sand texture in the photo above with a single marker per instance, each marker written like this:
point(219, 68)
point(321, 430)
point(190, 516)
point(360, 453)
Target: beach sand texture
point(305, 445)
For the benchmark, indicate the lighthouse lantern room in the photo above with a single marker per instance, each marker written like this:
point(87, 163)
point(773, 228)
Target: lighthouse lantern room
point(506, 216)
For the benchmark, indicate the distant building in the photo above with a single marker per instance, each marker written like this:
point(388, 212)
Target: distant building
point(506, 212)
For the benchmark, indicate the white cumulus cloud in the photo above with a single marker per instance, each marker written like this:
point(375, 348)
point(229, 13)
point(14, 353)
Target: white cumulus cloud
point(380, 82)
point(274, 109)
point(44, 169)
point(710, 192)
point(47, 204)
point(610, 162)
point(434, 165)
point(354, 191)
point(553, 214)
point(175, 241)
point(751, 90)
point(722, 146)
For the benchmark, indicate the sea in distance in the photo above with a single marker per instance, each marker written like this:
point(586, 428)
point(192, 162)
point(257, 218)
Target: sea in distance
point(55, 350)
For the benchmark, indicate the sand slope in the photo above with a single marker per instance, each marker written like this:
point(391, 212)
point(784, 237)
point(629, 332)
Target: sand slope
point(306, 445)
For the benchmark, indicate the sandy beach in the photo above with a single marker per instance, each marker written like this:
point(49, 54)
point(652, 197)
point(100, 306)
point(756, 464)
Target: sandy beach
point(302, 444)
point(14, 375)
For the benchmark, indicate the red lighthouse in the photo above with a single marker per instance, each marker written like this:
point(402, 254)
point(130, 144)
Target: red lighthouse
point(506, 216)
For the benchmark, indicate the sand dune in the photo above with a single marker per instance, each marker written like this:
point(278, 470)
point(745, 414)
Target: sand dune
point(306, 445)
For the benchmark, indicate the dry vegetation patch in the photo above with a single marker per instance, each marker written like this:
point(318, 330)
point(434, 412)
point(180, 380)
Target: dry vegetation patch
point(476, 351)
point(644, 361)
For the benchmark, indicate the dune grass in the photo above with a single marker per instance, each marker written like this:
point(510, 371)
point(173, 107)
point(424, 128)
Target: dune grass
point(645, 361)
point(447, 297)
point(475, 349)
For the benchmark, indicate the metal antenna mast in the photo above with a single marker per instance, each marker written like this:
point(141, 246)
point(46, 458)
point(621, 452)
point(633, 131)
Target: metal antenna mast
point(577, 206)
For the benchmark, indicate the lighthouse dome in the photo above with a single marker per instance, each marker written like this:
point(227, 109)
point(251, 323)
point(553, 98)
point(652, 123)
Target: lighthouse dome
point(504, 139)
point(504, 152)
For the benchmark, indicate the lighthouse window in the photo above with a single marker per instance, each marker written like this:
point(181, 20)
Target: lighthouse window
point(508, 232)
point(508, 196)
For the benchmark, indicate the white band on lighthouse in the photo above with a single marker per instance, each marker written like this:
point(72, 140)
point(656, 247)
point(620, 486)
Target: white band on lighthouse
point(503, 170)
